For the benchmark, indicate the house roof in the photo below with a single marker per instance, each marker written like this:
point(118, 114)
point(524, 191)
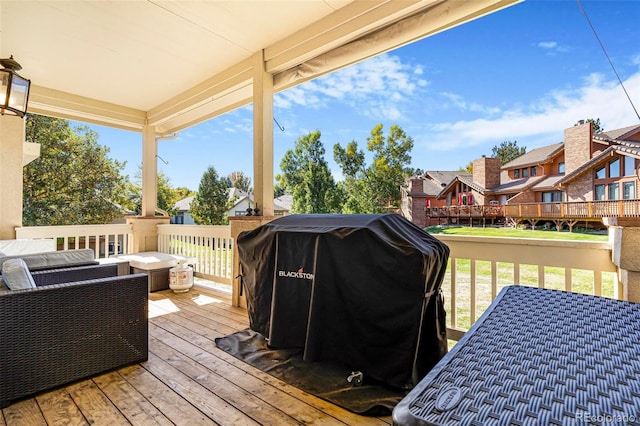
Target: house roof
point(617, 134)
point(184, 205)
point(283, 202)
point(618, 144)
point(465, 178)
point(517, 185)
point(547, 183)
point(173, 63)
point(535, 156)
point(444, 176)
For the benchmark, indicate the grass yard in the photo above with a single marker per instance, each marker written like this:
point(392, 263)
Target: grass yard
point(519, 233)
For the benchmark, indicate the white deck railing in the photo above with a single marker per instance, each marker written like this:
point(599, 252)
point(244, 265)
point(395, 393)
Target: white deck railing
point(480, 266)
point(212, 246)
point(105, 240)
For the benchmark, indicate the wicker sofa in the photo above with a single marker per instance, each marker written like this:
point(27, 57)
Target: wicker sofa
point(64, 329)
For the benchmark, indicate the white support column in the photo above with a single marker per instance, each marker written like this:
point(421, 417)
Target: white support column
point(12, 134)
point(262, 135)
point(149, 171)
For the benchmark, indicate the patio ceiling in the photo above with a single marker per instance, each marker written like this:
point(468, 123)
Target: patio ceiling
point(173, 64)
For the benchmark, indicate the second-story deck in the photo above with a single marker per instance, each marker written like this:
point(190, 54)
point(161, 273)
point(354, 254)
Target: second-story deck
point(560, 213)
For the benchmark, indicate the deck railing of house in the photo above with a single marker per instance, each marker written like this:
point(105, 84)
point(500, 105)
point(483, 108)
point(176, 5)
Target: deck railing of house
point(575, 210)
point(212, 246)
point(559, 210)
point(480, 266)
point(111, 239)
point(475, 211)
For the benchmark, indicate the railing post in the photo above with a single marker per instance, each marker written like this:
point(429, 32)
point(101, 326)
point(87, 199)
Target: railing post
point(239, 224)
point(625, 244)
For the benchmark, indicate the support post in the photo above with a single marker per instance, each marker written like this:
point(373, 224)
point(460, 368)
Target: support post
point(262, 135)
point(12, 134)
point(149, 171)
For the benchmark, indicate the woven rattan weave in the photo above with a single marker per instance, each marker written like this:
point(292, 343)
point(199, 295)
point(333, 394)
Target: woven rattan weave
point(58, 333)
point(537, 357)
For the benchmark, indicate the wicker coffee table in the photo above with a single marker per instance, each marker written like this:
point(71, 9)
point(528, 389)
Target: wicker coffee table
point(536, 357)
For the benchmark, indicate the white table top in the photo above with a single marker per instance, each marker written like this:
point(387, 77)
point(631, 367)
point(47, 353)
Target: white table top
point(150, 260)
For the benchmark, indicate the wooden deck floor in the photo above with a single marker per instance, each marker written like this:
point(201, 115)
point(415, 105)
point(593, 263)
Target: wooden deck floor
point(186, 381)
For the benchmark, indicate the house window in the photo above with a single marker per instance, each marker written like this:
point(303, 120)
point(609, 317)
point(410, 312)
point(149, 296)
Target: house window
point(560, 167)
point(614, 191)
point(601, 173)
point(525, 173)
point(534, 171)
point(628, 190)
point(629, 166)
point(552, 197)
point(614, 168)
point(600, 190)
point(516, 173)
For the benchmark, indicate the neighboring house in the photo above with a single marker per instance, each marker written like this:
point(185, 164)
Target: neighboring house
point(585, 167)
point(183, 207)
point(241, 202)
point(420, 192)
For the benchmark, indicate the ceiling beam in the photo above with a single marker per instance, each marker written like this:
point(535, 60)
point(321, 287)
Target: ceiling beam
point(56, 103)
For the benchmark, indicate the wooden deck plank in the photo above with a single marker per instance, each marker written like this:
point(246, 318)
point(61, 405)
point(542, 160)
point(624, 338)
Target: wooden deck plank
point(310, 408)
point(133, 405)
point(210, 404)
point(173, 352)
point(25, 412)
point(59, 408)
point(94, 405)
point(172, 405)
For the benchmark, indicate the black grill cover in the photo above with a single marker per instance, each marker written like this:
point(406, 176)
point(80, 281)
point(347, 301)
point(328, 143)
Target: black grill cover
point(362, 291)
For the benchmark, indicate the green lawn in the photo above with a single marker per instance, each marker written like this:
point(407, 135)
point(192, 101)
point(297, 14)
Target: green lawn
point(519, 233)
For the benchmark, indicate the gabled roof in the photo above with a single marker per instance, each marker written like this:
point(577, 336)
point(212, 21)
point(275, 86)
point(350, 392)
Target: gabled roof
point(618, 144)
point(465, 178)
point(617, 134)
point(443, 176)
point(184, 205)
point(536, 156)
point(599, 159)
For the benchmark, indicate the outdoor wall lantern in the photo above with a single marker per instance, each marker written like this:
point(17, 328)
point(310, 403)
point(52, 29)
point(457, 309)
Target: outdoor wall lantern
point(14, 90)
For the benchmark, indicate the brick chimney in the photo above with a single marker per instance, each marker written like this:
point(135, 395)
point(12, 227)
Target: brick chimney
point(577, 145)
point(486, 172)
point(416, 185)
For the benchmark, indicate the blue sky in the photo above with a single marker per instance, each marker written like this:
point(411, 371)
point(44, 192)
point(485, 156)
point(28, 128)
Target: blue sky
point(524, 73)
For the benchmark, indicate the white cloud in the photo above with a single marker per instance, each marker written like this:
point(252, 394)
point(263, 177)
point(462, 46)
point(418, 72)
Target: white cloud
point(544, 121)
point(552, 47)
point(547, 44)
point(382, 83)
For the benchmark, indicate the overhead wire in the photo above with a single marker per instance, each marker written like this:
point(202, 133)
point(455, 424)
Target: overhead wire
point(584, 12)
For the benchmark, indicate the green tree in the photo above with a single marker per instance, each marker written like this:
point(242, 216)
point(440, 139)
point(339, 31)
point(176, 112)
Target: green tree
point(306, 176)
point(468, 169)
point(240, 181)
point(507, 151)
point(376, 187)
point(73, 181)
point(595, 124)
point(211, 203)
point(167, 195)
